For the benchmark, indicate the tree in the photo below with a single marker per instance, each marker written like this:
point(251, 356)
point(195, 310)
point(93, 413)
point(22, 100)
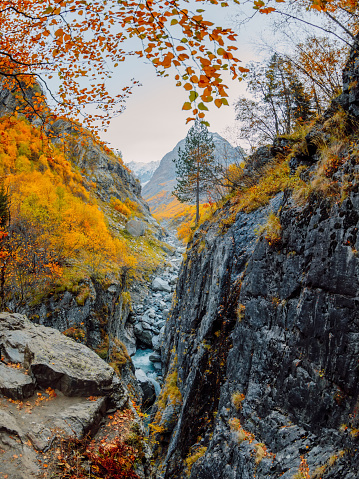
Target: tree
point(82, 43)
point(319, 62)
point(341, 15)
point(279, 102)
point(194, 166)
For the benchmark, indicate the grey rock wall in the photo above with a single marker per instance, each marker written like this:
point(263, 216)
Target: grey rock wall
point(265, 341)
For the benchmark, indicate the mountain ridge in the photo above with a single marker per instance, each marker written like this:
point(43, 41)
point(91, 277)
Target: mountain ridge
point(158, 191)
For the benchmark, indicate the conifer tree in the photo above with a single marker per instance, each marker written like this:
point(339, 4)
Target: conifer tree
point(195, 168)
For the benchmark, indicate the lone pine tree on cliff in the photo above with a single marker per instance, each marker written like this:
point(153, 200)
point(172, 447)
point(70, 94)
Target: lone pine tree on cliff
point(195, 167)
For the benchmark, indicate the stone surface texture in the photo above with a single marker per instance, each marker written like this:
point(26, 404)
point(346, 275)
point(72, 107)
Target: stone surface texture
point(265, 340)
point(52, 386)
point(136, 227)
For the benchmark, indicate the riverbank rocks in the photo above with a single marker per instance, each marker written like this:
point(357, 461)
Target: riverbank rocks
point(143, 333)
point(148, 388)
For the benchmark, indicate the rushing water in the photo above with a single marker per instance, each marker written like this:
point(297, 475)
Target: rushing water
point(141, 361)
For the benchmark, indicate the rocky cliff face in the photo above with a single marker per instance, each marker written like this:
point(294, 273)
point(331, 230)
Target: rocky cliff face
point(261, 350)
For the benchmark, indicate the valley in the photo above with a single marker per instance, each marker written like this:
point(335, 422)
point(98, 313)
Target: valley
point(140, 342)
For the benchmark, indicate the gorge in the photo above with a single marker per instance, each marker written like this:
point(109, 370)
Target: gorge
point(259, 344)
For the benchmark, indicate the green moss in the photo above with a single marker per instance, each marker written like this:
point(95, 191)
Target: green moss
point(83, 293)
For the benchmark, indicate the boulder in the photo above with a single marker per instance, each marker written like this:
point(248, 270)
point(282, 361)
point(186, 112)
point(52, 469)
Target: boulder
point(136, 227)
point(18, 460)
point(15, 384)
point(159, 284)
point(158, 366)
point(156, 342)
point(81, 418)
point(162, 305)
point(155, 357)
point(129, 339)
point(53, 359)
point(147, 326)
point(148, 388)
point(145, 336)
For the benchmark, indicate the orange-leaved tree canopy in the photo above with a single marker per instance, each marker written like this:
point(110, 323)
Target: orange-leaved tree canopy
point(71, 39)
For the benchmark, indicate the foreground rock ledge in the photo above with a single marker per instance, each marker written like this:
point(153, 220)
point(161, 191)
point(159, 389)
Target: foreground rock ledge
point(53, 360)
point(84, 389)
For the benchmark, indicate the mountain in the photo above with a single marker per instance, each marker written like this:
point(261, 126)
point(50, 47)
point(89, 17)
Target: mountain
point(143, 171)
point(157, 192)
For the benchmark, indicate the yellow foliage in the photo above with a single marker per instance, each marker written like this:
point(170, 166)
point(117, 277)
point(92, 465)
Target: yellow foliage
point(184, 232)
point(237, 399)
point(50, 194)
point(187, 220)
point(170, 392)
point(274, 180)
point(121, 207)
point(192, 458)
point(272, 230)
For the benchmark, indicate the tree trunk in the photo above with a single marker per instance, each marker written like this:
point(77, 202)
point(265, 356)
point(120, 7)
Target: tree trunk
point(197, 201)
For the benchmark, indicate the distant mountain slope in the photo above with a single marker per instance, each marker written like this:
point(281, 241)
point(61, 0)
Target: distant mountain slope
point(157, 192)
point(143, 171)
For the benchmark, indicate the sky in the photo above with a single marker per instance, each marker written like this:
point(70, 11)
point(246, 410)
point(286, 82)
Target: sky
point(153, 122)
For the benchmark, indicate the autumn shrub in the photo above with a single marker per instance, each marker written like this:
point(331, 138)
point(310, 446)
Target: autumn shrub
point(121, 207)
point(184, 232)
point(303, 471)
point(274, 180)
point(240, 311)
point(272, 230)
point(260, 450)
point(83, 458)
point(76, 333)
point(239, 433)
point(131, 205)
point(186, 221)
point(194, 457)
point(237, 399)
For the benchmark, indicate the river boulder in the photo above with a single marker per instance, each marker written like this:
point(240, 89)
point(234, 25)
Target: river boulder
point(159, 284)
